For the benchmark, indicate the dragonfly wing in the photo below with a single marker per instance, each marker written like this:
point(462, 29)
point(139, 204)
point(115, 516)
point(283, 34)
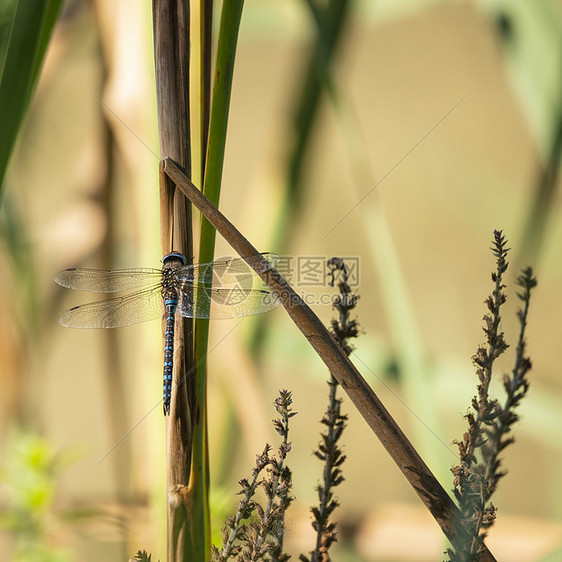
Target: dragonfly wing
point(197, 301)
point(119, 311)
point(224, 272)
point(103, 281)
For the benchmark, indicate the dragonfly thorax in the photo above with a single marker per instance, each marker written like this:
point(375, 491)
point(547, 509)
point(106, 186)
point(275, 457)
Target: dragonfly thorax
point(171, 263)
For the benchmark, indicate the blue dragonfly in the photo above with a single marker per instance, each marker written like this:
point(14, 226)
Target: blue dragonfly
point(195, 291)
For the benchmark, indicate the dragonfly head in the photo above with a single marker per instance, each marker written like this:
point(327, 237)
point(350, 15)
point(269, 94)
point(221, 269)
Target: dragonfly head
point(170, 259)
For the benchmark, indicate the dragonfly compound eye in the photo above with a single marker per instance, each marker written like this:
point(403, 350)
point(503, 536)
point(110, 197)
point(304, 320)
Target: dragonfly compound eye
point(173, 257)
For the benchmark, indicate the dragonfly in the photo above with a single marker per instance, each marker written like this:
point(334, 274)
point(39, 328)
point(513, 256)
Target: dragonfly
point(192, 290)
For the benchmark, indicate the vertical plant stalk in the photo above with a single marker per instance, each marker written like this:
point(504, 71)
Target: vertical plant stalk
point(226, 51)
point(206, 33)
point(430, 491)
point(266, 533)
point(328, 451)
point(171, 28)
point(515, 385)
point(235, 530)
point(256, 532)
point(469, 484)
point(478, 473)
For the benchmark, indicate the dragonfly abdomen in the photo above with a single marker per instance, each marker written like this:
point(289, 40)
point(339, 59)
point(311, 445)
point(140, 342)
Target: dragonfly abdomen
point(170, 264)
point(171, 303)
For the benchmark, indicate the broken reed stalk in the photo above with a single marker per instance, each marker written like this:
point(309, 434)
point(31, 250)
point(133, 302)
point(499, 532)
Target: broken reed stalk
point(432, 494)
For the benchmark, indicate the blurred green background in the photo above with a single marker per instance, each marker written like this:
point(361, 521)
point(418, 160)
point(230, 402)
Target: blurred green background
point(452, 109)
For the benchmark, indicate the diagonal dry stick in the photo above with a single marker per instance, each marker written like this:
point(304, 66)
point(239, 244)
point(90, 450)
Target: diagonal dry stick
point(365, 400)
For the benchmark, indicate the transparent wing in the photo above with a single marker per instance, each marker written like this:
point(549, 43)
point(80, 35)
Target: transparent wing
point(224, 272)
point(119, 311)
point(197, 301)
point(103, 281)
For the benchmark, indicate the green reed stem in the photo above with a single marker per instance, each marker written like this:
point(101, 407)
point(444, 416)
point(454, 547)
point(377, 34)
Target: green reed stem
point(228, 37)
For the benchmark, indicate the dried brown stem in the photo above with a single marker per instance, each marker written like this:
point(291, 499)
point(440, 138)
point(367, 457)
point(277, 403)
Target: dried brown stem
point(361, 394)
point(171, 24)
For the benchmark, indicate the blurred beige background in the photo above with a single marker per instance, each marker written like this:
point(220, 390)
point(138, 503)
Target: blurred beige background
point(449, 123)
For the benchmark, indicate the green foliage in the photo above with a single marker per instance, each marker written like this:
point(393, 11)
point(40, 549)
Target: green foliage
point(224, 70)
point(30, 474)
point(25, 42)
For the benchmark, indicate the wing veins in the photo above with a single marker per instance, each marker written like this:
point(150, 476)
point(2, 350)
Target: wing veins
point(117, 311)
point(108, 281)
